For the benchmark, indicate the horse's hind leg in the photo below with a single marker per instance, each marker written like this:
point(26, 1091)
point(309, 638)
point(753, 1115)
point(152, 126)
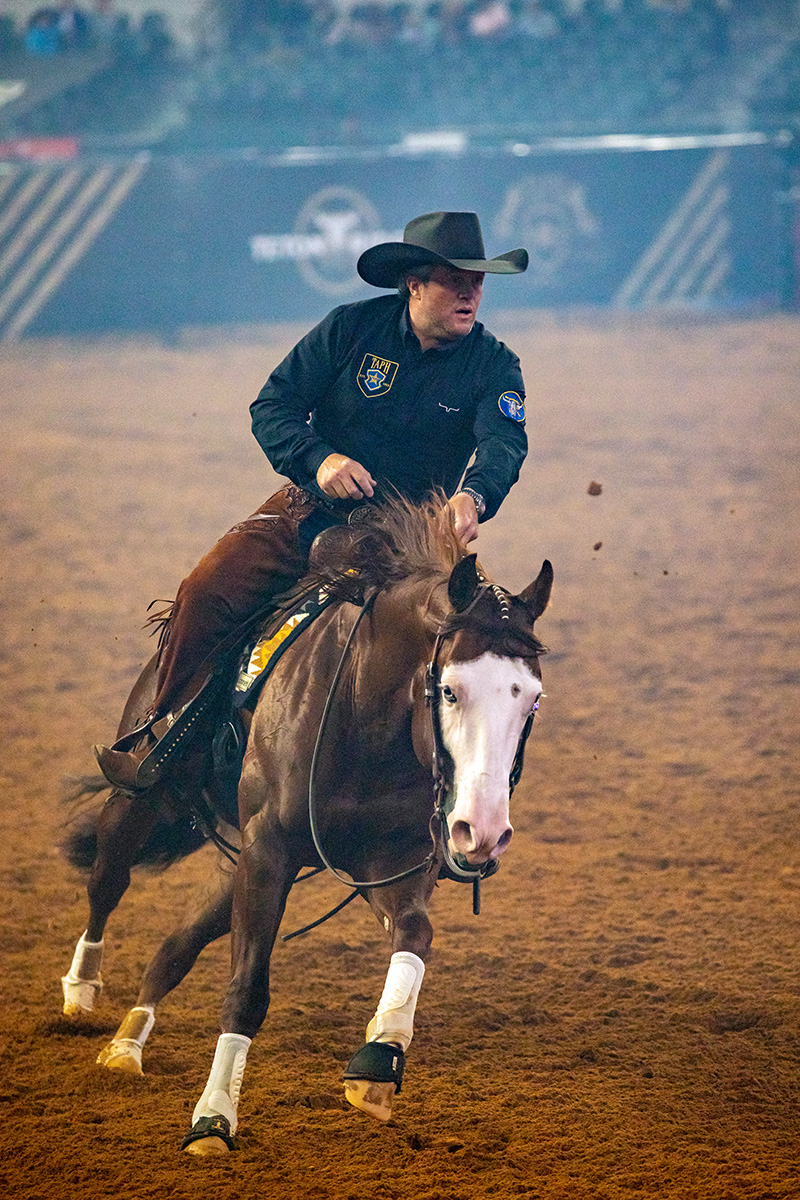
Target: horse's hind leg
point(170, 964)
point(374, 1075)
point(123, 827)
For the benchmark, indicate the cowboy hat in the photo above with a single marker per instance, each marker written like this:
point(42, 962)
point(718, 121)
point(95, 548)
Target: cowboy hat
point(450, 238)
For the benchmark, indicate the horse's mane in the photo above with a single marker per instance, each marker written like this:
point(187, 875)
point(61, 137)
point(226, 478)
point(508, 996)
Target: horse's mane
point(397, 540)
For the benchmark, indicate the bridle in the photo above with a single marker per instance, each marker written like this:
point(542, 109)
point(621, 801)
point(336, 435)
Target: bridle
point(440, 758)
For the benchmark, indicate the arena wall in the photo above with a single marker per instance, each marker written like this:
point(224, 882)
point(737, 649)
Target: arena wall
point(159, 244)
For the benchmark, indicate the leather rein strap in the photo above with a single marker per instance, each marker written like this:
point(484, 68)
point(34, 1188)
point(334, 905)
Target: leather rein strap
point(356, 885)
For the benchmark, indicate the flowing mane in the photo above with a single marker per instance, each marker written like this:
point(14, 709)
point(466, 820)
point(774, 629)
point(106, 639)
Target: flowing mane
point(397, 540)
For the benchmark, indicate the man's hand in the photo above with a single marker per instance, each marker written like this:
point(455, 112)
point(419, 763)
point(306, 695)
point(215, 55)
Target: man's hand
point(465, 516)
point(343, 478)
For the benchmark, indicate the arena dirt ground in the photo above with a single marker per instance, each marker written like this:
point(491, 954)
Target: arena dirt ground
point(624, 1017)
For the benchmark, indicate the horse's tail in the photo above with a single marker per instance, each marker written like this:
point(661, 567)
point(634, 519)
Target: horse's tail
point(168, 842)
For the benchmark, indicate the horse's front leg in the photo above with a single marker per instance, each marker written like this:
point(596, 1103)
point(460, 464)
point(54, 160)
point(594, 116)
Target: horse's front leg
point(262, 882)
point(170, 964)
point(374, 1075)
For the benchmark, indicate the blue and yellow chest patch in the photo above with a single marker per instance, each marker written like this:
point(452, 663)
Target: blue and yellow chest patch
point(512, 405)
point(376, 375)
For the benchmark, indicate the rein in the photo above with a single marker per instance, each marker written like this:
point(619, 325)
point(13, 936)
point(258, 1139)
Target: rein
point(438, 822)
point(356, 885)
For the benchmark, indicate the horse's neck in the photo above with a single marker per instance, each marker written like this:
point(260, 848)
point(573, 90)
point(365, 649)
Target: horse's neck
point(418, 604)
point(401, 638)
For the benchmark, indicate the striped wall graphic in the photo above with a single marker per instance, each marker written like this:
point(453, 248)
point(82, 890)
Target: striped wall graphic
point(689, 259)
point(49, 218)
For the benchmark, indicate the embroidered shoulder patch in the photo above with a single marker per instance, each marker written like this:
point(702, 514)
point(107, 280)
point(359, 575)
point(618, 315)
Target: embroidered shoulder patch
point(511, 405)
point(376, 375)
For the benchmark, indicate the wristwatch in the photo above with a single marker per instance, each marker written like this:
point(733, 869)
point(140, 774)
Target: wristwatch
point(480, 503)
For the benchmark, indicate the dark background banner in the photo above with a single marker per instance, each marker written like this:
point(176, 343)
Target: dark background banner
point(225, 241)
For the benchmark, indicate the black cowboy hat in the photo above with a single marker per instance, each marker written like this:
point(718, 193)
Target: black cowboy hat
point(451, 238)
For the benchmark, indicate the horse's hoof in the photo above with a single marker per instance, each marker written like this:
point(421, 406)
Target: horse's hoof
point(122, 1056)
point(373, 1098)
point(80, 996)
point(208, 1147)
point(76, 1012)
point(210, 1137)
point(373, 1078)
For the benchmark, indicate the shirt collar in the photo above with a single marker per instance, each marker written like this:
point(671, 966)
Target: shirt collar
point(411, 340)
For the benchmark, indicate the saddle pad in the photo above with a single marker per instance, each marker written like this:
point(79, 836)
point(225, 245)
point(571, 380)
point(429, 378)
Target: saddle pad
point(259, 658)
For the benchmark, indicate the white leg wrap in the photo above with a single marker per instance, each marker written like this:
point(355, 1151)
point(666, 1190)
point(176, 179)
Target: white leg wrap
point(124, 1051)
point(221, 1096)
point(137, 1026)
point(82, 984)
point(394, 1016)
point(134, 1031)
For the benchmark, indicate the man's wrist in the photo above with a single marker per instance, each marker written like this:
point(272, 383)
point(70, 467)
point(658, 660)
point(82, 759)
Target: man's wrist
point(476, 497)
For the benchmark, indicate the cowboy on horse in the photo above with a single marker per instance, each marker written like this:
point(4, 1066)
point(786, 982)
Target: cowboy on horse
point(401, 402)
point(389, 395)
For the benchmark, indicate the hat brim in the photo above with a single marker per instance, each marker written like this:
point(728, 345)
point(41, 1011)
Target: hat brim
point(382, 265)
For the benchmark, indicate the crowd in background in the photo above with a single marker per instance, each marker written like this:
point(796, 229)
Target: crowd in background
point(276, 73)
point(68, 27)
point(426, 24)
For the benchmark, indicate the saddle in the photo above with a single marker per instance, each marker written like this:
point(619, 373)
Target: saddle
point(235, 675)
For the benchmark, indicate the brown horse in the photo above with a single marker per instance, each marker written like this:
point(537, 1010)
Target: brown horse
point(411, 557)
point(437, 669)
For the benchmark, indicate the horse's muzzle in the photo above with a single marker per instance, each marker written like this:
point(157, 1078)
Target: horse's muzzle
point(477, 845)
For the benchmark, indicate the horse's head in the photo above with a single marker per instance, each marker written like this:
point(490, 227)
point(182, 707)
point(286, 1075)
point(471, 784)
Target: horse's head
point(484, 687)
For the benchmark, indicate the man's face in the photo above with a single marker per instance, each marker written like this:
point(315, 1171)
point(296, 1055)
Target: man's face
point(445, 308)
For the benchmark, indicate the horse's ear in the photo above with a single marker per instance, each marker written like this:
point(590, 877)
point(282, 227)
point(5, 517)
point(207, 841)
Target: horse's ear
point(537, 594)
point(463, 583)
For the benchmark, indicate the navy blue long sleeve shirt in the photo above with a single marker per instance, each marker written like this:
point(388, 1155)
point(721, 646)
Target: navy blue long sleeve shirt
point(359, 384)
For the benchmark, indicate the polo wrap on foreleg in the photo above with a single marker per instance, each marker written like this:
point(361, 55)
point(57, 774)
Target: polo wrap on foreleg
point(221, 1097)
point(136, 1026)
point(394, 1016)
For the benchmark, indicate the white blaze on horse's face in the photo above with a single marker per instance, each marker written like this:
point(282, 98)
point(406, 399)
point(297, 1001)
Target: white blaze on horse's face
point(483, 708)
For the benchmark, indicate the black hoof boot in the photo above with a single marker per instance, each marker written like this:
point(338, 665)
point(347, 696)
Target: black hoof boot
point(373, 1077)
point(210, 1136)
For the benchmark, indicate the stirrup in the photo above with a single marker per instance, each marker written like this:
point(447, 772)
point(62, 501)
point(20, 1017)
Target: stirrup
point(123, 770)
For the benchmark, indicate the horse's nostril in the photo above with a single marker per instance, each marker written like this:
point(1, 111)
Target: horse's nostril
point(461, 833)
point(503, 840)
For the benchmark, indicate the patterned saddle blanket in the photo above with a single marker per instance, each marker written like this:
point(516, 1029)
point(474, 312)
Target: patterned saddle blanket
point(260, 655)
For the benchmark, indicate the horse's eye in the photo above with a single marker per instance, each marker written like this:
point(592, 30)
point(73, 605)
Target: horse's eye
point(515, 689)
point(448, 694)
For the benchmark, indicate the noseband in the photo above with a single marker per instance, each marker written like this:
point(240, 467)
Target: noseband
point(440, 759)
